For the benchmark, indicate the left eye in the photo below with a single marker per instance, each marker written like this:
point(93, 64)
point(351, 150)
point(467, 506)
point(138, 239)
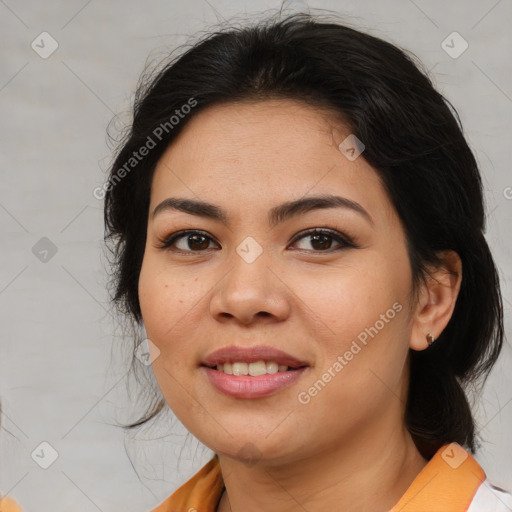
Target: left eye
point(198, 241)
point(322, 239)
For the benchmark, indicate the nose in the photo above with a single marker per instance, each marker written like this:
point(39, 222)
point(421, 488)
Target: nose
point(250, 292)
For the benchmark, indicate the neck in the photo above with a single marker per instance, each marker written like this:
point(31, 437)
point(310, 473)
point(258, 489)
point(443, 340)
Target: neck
point(367, 474)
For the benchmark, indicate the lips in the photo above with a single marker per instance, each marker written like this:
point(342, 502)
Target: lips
point(246, 387)
point(250, 355)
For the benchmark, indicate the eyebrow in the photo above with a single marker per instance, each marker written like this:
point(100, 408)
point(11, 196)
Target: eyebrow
point(276, 215)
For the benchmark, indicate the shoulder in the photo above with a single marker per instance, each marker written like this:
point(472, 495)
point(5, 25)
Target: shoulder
point(490, 498)
point(9, 505)
point(453, 480)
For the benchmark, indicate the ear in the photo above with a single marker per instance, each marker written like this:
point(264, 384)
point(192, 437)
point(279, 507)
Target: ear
point(436, 300)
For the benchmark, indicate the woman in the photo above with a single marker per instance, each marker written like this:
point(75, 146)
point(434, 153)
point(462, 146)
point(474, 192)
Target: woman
point(297, 221)
point(298, 224)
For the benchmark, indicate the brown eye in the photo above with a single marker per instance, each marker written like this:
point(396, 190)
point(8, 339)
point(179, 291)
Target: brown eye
point(189, 241)
point(321, 240)
point(193, 241)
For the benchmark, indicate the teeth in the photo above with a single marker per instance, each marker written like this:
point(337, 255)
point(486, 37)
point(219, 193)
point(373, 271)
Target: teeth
point(253, 369)
point(257, 368)
point(240, 369)
point(272, 367)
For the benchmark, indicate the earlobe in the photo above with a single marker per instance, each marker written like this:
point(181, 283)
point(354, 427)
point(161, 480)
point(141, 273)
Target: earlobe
point(436, 301)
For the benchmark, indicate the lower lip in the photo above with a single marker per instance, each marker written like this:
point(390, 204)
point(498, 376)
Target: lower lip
point(245, 386)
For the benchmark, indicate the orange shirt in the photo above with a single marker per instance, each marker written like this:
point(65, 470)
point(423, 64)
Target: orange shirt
point(452, 481)
point(9, 505)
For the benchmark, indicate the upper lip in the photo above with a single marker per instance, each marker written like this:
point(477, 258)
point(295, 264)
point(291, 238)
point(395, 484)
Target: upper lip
point(235, 353)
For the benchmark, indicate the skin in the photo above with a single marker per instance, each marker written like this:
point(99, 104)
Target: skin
point(347, 449)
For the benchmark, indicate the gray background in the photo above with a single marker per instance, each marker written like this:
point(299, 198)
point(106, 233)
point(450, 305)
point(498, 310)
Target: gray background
point(62, 369)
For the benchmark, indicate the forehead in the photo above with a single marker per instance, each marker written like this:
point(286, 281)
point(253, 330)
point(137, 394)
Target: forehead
point(255, 153)
point(269, 130)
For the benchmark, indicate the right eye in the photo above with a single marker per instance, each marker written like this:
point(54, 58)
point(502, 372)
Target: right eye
point(196, 241)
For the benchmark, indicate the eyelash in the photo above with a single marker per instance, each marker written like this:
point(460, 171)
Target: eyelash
point(345, 241)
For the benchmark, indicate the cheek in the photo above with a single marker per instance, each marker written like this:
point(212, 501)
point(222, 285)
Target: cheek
point(170, 301)
point(162, 300)
point(361, 347)
point(349, 299)
point(166, 302)
point(358, 313)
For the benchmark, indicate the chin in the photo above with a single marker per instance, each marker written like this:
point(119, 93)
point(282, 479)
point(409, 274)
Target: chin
point(255, 450)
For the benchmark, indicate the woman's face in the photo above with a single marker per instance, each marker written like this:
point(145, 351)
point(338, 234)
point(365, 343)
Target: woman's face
point(249, 280)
